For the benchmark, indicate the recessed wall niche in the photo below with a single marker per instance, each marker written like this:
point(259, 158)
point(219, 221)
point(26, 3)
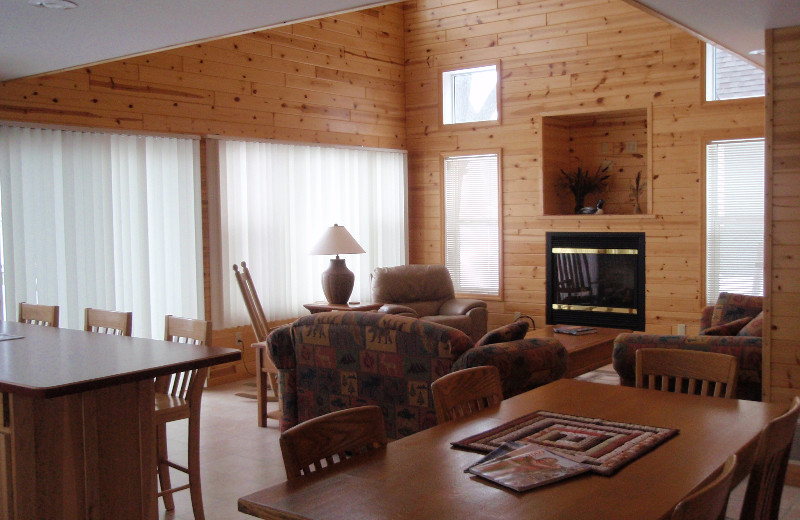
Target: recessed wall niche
point(590, 140)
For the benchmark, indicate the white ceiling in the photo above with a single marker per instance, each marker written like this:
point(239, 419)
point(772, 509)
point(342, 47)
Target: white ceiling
point(34, 40)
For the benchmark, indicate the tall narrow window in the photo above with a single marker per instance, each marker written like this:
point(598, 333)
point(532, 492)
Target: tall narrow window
point(730, 77)
point(734, 217)
point(472, 222)
point(469, 95)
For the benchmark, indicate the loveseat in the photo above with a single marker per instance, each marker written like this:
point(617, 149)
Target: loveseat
point(427, 292)
point(732, 326)
point(334, 360)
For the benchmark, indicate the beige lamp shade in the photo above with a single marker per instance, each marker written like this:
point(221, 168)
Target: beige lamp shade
point(337, 280)
point(336, 241)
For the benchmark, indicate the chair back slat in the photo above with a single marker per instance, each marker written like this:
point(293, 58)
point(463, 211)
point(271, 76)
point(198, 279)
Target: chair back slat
point(686, 371)
point(762, 499)
point(465, 392)
point(188, 332)
point(257, 317)
point(107, 322)
point(46, 315)
point(331, 438)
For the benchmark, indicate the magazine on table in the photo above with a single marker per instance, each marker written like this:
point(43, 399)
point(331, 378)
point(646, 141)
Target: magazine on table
point(575, 330)
point(526, 466)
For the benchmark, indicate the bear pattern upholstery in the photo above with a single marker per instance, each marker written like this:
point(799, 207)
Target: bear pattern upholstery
point(337, 360)
point(731, 326)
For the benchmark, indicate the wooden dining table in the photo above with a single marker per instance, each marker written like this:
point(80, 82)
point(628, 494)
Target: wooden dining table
point(77, 437)
point(422, 476)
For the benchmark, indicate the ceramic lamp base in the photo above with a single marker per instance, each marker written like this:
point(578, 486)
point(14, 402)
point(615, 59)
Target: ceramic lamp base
point(337, 282)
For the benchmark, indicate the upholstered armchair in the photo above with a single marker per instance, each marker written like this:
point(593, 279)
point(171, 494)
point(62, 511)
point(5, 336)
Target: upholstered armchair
point(732, 326)
point(335, 360)
point(426, 292)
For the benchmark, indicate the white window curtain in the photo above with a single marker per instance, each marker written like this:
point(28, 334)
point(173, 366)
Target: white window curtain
point(472, 223)
point(277, 199)
point(101, 220)
point(734, 218)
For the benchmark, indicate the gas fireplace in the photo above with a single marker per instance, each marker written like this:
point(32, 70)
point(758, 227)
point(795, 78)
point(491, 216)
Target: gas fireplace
point(596, 279)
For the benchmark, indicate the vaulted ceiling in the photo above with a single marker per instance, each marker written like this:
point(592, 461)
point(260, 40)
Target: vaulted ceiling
point(35, 40)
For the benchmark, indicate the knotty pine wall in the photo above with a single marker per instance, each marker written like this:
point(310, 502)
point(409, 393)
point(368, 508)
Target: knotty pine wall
point(782, 259)
point(569, 56)
point(336, 80)
point(370, 78)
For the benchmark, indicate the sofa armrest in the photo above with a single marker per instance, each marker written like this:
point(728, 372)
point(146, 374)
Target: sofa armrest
point(458, 306)
point(396, 308)
point(281, 348)
point(523, 364)
point(746, 350)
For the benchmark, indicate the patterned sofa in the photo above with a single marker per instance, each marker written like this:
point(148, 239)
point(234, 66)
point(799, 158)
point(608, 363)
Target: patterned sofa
point(334, 360)
point(732, 326)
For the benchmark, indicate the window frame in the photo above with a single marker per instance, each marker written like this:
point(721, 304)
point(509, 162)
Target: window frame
point(444, 156)
point(704, 81)
point(706, 139)
point(466, 66)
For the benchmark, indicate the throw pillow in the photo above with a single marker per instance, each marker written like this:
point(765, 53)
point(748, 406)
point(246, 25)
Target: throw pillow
point(727, 329)
point(755, 327)
point(731, 307)
point(511, 332)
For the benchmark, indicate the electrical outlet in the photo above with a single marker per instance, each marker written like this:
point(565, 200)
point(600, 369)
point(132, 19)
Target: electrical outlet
point(682, 329)
point(517, 315)
point(238, 338)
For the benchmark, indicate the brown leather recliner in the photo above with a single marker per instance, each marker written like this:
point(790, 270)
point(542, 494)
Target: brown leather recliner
point(426, 292)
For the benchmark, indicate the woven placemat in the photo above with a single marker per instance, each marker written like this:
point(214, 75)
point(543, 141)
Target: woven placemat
point(605, 445)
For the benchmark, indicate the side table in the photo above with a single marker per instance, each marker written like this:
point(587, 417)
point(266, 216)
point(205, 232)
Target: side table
point(316, 307)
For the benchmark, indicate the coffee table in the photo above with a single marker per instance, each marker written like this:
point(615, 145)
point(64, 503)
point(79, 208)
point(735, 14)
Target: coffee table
point(585, 353)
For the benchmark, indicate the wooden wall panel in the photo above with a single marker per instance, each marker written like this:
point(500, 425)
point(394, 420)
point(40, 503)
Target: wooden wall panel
point(337, 80)
point(587, 55)
point(782, 289)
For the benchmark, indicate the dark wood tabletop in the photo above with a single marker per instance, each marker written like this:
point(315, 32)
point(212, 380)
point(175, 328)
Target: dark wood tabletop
point(50, 362)
point(421, 477)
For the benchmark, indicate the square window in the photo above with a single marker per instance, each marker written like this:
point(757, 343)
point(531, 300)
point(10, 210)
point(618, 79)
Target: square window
point(469, 95)
point(730, 77)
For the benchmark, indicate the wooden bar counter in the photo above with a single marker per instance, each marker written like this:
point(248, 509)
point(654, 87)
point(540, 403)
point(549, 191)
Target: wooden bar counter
point(76, 421)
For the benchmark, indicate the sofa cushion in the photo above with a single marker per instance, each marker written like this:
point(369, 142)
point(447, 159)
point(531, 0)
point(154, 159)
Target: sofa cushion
point(412, 283)
point(731, 307)
point(754, 327)
point(731, 328)
point(510, 332)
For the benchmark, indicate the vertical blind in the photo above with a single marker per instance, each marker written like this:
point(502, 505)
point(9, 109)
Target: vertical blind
point(472, 226)
point(734, 217)
point(101, 220)
point(276, 201)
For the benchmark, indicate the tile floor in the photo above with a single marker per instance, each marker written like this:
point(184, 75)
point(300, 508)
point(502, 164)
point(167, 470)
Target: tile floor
point(239, 458)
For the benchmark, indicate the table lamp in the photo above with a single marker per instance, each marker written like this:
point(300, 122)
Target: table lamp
point(337, 280)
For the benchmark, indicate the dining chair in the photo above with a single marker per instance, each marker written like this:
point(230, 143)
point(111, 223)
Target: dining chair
point(762, 499)
point(267, 377)
point(34, 314)
point(465, 392)
point(331, 438)
point(686, 371)
point(710, 501)
point(178, 397)
point(108, 322)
